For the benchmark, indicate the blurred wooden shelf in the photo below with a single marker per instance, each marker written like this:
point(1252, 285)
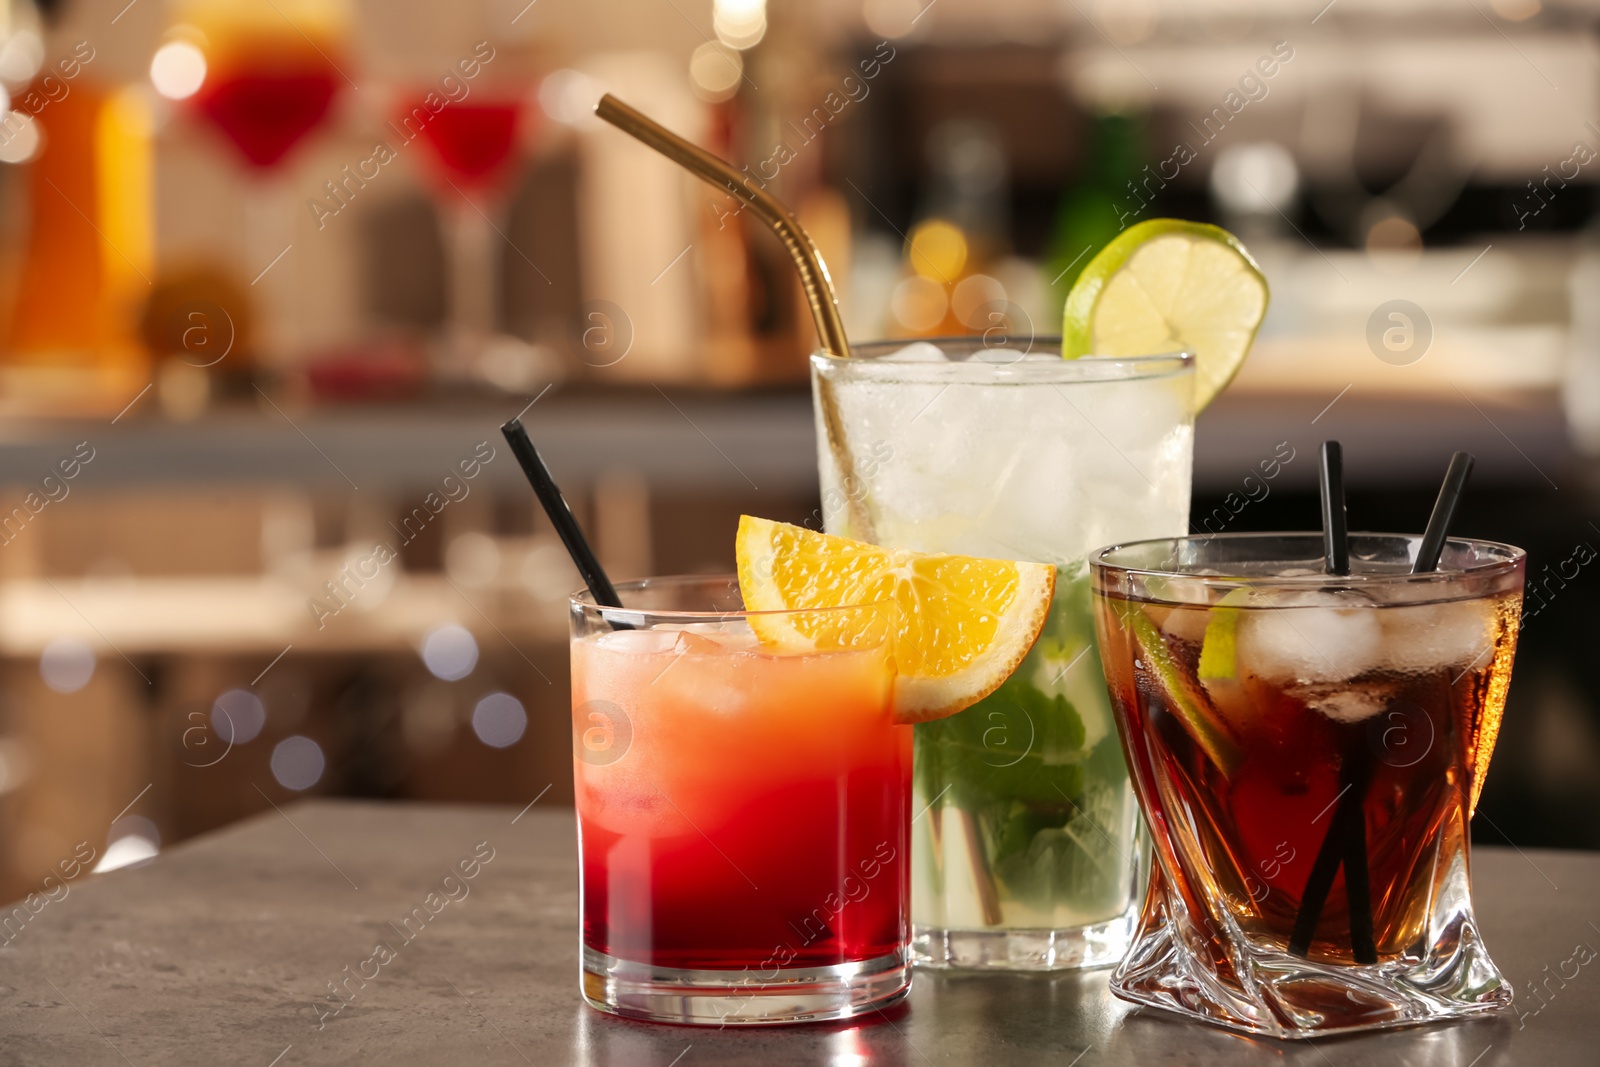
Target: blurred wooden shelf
point(679, 440)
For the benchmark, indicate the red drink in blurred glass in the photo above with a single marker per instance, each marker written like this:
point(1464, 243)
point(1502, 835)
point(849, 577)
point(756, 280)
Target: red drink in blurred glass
point(267, 103)
point(473, 141)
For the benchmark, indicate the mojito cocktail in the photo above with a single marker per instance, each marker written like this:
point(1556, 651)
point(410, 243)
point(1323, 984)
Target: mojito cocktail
point(742, 812)
point(1308, 749)
point(1029, 855)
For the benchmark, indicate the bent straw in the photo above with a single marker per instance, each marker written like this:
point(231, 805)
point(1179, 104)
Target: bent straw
point(561, 517)
point(1346, 840)
point(814, 276)
point(707, 167)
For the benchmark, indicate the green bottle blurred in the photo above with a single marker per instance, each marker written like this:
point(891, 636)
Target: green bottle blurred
point(1094, 207)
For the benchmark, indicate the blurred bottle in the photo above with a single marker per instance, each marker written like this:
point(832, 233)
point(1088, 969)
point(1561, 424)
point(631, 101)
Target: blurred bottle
point(639, 216)
point(1101, 203)
point(969, 178)
point(948, 287)
point(87, 259)
point(726, 262)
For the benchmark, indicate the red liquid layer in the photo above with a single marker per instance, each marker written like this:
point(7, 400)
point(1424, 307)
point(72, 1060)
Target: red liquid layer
point(265, 111)
point(473, 141)
point(809, 875)
point(740, 810)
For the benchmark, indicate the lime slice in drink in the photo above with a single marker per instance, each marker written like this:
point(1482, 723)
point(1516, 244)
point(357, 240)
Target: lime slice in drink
point(1188, 705)
point(1219, 649)
point(1166, 285)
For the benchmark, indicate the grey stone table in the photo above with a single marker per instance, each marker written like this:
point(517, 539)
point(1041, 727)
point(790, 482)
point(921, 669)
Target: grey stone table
point(221, 951)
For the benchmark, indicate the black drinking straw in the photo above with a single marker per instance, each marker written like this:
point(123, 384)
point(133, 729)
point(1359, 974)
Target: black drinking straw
point(1347, 836)
point(1346, 840)
point(561, 517)
point(1444, 512)
point(1335, 531)
point(1355, 767)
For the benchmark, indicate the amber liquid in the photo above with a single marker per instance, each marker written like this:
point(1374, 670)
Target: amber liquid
point(1244, 833)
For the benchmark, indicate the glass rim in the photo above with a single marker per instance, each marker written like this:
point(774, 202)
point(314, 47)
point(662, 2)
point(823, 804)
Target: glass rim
point(868, 357)
point(583, 600)
point(1101, 564)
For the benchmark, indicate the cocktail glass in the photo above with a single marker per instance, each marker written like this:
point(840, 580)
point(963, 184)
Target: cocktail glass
point(1030, 855)
point(474, 148)
point(743, 812)
point(273, 73)
point(1308, 750)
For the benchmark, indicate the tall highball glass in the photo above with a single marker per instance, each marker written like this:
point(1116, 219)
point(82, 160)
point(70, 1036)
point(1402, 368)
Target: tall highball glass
point(1026, 849)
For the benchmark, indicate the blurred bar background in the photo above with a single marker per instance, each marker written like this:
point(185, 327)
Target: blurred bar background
point(273, 272)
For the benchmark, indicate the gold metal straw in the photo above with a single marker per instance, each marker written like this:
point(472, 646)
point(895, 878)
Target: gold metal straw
point(708, 168)
point(807, 260)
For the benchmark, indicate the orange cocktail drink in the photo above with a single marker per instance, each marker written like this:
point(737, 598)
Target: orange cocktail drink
point(742, 812)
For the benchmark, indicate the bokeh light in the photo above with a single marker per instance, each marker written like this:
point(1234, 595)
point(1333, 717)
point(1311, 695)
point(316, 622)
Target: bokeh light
point(298, 762)
point(569, 96)
point(978, 301)
point(938, 250)
point(237, 716)
point(918, 303)
point(21, 57)
point(20, 139)
point(449, 652)
point(66, 665)
point(499, 720)
point(715, 70)
point(739, 23)
point(1255, 178)
point(177, 70)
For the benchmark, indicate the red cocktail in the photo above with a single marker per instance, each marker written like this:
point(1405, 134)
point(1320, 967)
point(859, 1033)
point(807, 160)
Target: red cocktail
point(267, 102)
point(271, 71)
point(473, 141)
point(742, 815)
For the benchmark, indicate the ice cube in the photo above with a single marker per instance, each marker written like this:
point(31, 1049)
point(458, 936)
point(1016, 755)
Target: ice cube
point(1186, 624)
point(916, 352)
point(1345, 703)
point(639, 642)
point(1335, 636)
point(719, 638)
point(1427, 637)
point(707, 680)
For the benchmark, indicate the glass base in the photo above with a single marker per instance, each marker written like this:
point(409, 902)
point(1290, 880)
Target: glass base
point(1099, 945)
point(742, 998)
point(1262, 989)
